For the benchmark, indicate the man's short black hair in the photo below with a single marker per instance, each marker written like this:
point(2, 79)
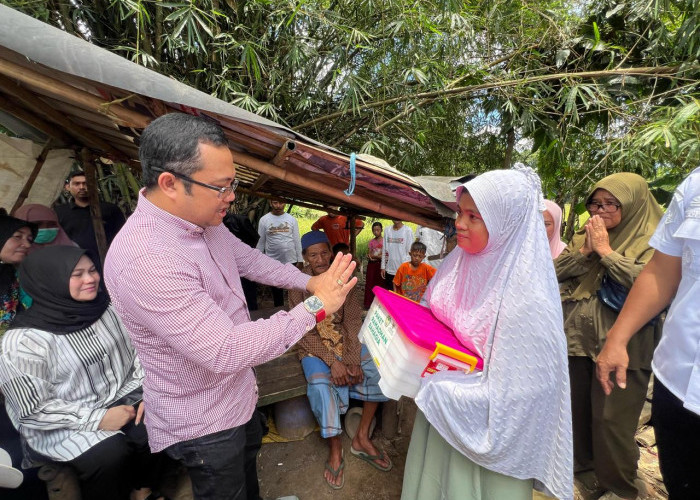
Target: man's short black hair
point(341, 247)
point(74, 174)
point(418, 246)
point(171, 142)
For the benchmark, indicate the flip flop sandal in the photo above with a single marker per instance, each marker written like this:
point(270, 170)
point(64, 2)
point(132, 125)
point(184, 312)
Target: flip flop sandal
point(370, 459)
point(334, 473)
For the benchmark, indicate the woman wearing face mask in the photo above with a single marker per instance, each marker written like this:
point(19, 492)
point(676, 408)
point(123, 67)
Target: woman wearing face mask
point(16, 238)
point(50, 231)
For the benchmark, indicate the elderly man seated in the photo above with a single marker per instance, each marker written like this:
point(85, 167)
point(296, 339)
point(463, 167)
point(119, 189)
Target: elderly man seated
point(337, 367)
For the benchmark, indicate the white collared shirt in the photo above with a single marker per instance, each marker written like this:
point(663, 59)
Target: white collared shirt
point(677, 358)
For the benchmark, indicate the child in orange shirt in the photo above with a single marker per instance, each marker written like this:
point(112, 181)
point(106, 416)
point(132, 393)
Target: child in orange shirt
point(412, 277)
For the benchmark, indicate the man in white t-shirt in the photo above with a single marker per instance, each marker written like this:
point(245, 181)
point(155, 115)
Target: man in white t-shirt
point(436, 243)
point(397, 246)
point(279, 239)
point(672, 276)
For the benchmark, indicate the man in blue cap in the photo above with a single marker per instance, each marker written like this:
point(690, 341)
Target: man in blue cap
point(337, 367)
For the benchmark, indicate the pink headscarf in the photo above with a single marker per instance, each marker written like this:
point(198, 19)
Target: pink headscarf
point(556, 246)
point(37, 213)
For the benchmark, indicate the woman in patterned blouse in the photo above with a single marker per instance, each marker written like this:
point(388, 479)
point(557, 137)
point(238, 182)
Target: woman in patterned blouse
point(71, 378)
point(16, 237)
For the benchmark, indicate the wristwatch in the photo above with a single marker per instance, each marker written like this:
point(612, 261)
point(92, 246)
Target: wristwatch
point(315, 306)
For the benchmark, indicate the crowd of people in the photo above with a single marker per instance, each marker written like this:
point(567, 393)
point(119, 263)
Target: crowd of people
point(151, 362)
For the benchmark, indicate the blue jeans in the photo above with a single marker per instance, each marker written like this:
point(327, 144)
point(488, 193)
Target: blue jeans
point(222, 466)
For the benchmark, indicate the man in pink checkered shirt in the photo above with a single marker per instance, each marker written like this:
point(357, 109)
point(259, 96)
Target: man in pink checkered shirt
point(173, 273)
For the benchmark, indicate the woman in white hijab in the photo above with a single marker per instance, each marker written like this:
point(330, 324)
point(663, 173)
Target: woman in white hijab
point(552, 223)
point(501, 432)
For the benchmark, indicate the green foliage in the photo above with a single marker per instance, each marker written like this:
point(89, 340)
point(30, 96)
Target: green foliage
point(439, 87)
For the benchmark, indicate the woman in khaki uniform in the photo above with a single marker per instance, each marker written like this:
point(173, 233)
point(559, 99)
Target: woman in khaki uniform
point(614, 241)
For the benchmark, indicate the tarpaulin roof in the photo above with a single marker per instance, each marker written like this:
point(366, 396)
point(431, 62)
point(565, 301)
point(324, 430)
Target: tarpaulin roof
point(84, 96)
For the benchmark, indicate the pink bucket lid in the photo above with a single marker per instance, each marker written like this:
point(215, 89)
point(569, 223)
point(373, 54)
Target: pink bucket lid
point(419, 324)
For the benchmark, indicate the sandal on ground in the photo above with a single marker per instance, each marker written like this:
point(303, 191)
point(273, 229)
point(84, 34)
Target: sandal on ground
point(335, 473)
point(370, 459)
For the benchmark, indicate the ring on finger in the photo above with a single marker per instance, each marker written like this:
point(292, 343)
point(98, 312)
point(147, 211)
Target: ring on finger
point(340, 282)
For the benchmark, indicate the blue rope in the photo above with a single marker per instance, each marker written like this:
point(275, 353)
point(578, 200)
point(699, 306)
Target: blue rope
point(351, 188)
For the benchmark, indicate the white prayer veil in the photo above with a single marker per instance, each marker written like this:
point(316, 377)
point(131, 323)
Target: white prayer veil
point(515, 417)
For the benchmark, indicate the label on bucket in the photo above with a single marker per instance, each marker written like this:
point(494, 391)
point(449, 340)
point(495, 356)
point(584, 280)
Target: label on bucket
point(380, 329)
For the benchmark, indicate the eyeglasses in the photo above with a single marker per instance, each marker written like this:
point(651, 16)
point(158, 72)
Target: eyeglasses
point(223, 191)
point(607, 207)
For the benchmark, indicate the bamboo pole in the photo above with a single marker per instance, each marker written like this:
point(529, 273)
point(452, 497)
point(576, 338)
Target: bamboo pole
point(95, 209)
point(36, 122)
point(32, 177)
point(291, 200)
point(373, 205)
point(279, 160)
point(58, 88)
point(652, 72)
point(262, 179)
point(353, 237)
point(30, 101)
point(284, 153)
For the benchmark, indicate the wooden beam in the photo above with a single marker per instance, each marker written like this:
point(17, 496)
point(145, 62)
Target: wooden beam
point(284, 153)
point(55, 87)
point(83, 114)
point(373, 205)
point(353, 237)
point(262, 179)
point(280, 159)
point(29, 118)
point(294, 201)
point(95, 209)
point(31, 101)
point(32, 177)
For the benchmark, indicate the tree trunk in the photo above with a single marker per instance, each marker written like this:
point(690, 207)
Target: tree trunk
point(510, 144)
point(158, 37)
point(88, 164)
point(571, 219)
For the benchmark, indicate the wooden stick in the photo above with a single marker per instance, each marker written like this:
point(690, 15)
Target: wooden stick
point(32, 177)
point(284, 153)
point(36, 122)
point(58, 88)
point(308, 182)
point(353, 236)
point(95, 208)
point(30, 101)
point(262, 179)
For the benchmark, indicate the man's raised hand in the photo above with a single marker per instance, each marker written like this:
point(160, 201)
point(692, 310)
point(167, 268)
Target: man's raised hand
point(334, 285)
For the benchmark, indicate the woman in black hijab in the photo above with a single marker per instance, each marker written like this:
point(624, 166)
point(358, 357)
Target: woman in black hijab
point(16, 237)
point(72, 380)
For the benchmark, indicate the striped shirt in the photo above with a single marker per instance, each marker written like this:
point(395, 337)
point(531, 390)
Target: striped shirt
point(177, 288)
point(57, 387)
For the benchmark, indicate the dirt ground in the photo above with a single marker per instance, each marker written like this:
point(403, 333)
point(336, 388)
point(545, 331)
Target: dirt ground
point(296, 468)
